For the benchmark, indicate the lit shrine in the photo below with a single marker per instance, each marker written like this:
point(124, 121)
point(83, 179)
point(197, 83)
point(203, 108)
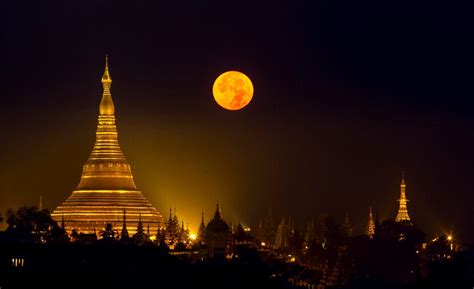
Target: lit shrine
point(106, 188)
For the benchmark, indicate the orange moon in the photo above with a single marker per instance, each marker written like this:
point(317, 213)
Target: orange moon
point(233, 90)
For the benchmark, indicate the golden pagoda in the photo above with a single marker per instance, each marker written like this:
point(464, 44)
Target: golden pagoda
point(402, 215)
point(106, 188)
point(371, 225)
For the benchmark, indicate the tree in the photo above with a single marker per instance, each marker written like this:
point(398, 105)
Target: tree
point(58, 235)
point(180, 246)
point(108, 234)
point(296, 243)
point(440, 248)
point(333, 234)
point(74, 234)
point(402, 232)
point(28, 224)
point(140, 237)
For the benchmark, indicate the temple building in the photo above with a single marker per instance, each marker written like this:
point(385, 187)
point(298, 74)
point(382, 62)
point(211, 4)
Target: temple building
point(283, 234)
point(218, 236)
point(402, 215)
point(106, 188)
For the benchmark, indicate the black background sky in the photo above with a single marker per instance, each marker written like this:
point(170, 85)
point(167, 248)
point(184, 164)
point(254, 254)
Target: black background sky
point(347, 94)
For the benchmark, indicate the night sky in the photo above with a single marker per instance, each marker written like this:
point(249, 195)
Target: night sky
point(347, 95)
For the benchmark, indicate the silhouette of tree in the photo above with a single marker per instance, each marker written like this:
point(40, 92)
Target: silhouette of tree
point(333, 234)
point(296, 242)
point(241, 236)
point(315, 253)
point(58, 235)
point(74, 235)
point(440, 248)
point(140, 237)
point(28, 224)
point(180, 246)
point(399, 231)
point(108, 234)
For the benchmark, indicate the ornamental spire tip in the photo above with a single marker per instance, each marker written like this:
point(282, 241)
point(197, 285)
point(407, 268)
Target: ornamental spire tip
point(106, 104)
point(106, 77)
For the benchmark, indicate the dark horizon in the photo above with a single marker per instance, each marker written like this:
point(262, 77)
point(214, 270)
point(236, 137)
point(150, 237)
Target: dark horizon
point(347, 96)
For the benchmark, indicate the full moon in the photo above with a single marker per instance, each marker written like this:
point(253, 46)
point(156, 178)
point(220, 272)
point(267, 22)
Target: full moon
point(233, 90)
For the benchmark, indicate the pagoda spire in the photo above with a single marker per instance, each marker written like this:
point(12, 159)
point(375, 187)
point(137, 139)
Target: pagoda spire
point(124, 234)
point(202, 229)
point(218, 214)
point(371, 225)
point(402, 214)
point(106, 168)
point(140, 224)
point(106, 104)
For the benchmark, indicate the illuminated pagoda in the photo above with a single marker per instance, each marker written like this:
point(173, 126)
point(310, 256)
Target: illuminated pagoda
point(371, 225)
point(402, 215)
point(106, 187)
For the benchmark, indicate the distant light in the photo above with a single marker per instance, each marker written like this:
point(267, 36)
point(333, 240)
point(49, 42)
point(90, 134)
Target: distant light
point(450, 238)
point(152, 238)
point(292, 259)
point(18, 262)
point(247, 229)
point(263, 244)
point(192, 236)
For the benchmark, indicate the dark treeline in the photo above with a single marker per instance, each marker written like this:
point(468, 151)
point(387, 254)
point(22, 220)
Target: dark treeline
point(36, 252)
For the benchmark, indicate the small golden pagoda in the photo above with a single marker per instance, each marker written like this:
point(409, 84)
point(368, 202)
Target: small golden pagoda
point(106, 188)
point(371, 225)
point(402, 215)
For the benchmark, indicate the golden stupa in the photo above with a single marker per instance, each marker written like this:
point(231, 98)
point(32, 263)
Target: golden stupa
point(106, 190)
